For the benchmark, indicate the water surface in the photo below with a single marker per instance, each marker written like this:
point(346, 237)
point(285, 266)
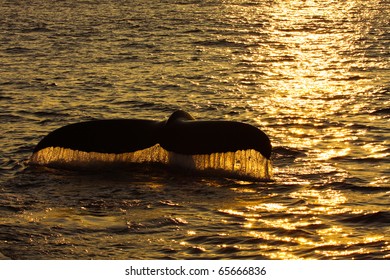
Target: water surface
point(314, 75)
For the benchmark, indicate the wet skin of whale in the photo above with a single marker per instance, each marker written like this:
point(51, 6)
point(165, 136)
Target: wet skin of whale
point(181, 134)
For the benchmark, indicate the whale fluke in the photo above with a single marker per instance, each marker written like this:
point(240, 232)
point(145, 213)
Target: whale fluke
point(181, 140)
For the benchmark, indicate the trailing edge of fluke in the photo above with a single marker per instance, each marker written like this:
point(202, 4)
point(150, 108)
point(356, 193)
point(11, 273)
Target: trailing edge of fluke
point(181, 134)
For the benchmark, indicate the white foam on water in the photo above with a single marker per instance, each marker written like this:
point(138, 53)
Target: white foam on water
point(243, 163)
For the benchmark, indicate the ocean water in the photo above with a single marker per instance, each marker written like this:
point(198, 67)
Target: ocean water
point(313, 75)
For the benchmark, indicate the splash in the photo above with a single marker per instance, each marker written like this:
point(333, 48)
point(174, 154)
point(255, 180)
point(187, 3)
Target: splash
point(244, 163)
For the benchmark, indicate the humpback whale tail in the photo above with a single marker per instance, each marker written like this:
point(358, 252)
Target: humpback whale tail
point(237, 149)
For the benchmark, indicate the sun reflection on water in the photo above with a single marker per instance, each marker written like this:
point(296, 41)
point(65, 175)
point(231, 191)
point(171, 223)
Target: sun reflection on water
point(315, 66)
point(304, 63)
point(314, 74)
point(283, 223)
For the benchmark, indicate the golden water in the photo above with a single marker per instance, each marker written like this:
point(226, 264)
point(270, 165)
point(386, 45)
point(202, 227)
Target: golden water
point(313, 75)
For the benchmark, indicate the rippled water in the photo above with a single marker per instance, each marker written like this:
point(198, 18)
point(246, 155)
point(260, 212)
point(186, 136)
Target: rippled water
point(314, 75)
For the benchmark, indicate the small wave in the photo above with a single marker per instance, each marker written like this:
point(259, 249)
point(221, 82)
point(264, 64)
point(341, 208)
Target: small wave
point(381, 112)
point(17, 50)
point(168, 221)
point(350, 78)
point(361, 159)
point(288, 152)
point(358, 126)
point(222, 43)
point(10, 118)
point(380, 218)
point(36, 30)
point(169, 203)
point(214, 240)
point(157, 106)
point(356, 188)
point(3, 96)
point(9, 208)
point(194, 250)
point(154, 225)
point(50, 114)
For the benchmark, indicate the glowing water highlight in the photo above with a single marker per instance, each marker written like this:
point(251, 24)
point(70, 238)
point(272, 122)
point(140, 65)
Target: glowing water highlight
point(242, 163)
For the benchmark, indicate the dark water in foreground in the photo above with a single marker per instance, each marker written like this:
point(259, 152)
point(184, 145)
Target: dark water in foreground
point(314, 75)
